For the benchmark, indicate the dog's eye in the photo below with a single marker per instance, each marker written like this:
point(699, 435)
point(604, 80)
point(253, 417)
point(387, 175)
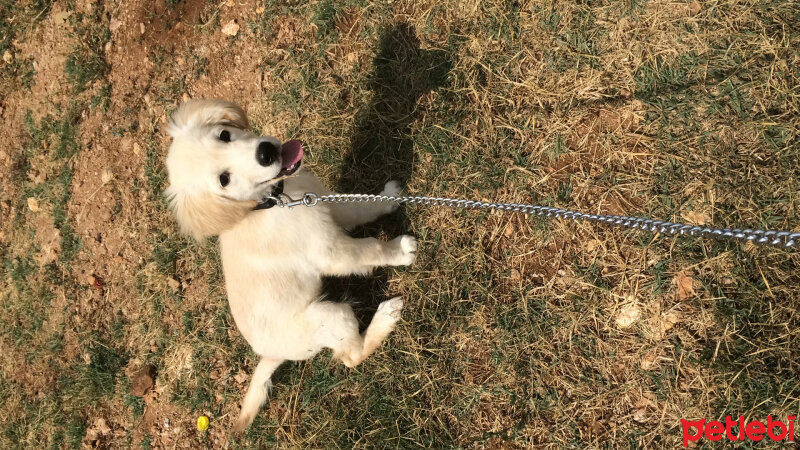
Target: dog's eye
point(224, 179)
point(225, 136)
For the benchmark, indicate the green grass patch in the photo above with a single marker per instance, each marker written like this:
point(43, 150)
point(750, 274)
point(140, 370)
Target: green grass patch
point(86, 63)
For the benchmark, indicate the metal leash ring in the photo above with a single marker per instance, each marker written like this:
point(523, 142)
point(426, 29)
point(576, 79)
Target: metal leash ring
point(310, 199)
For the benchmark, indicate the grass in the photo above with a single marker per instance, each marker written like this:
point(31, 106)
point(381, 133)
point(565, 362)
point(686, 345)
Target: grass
point(512, 337)
point(86, 63)
point(17, 18)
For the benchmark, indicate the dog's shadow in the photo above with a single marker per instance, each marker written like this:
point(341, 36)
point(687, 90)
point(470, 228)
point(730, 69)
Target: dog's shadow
point(381, 149)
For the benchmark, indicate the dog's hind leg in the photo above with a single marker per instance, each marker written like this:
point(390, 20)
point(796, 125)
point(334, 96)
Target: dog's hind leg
point(256, 393)
point(382, 324)
point(337, 328)
point(351, 215)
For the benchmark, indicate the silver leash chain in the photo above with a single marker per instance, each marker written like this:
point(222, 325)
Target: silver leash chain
point(776, 238)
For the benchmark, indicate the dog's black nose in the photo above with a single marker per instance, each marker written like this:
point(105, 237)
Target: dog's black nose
point(267, 153)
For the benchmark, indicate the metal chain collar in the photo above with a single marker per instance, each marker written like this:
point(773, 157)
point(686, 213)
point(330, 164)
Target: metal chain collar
point(776, 238)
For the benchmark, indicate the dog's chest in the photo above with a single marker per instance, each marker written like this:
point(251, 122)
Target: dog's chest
point(280, 236)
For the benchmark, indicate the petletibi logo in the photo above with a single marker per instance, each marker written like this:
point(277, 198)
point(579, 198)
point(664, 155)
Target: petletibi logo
point(773, 430)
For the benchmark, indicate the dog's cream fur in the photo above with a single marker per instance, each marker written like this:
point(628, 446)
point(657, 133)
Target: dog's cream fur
point(274, 259)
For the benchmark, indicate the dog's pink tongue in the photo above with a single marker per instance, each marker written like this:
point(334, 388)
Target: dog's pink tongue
point(292, 153)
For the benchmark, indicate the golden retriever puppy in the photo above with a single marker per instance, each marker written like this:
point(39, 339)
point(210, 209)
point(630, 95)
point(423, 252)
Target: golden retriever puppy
point(274, 258)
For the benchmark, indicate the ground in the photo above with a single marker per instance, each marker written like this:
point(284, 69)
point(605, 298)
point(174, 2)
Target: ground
point(518, 332)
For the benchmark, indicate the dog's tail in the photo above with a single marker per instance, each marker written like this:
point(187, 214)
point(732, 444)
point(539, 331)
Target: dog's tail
point(256, 393)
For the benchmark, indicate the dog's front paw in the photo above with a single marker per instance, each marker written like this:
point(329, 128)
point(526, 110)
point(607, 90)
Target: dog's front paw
point(394, 189)
point(407, 250)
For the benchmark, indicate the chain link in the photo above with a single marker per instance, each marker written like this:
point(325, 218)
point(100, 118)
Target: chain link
point(785, 239)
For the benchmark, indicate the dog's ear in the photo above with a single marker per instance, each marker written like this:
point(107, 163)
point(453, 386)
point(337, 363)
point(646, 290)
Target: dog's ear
point(204, 214)
point(198, 113)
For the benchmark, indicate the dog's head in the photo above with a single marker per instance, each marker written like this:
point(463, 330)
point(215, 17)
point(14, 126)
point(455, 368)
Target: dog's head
point(218, 170)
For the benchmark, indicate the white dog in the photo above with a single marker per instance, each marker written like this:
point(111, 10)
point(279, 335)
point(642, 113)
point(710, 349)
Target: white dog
point(274, 258)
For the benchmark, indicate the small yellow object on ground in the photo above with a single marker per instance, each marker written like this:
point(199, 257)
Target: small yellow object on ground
point(202, 423)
